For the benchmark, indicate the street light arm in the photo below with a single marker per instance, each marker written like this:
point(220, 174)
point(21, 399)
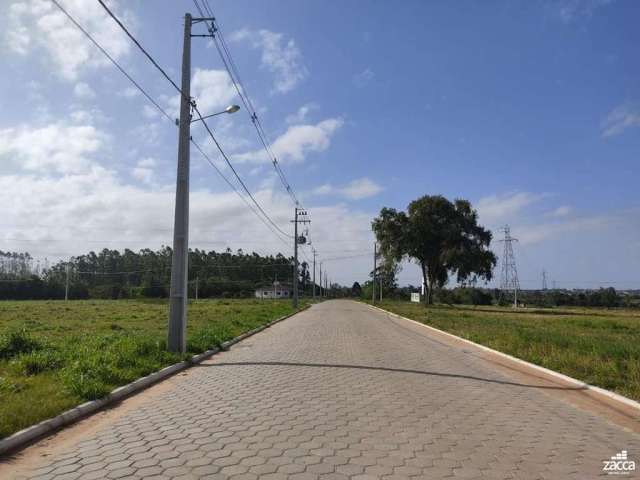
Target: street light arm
point(229, 109)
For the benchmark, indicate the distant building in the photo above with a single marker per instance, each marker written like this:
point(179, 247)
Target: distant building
point(276, 290)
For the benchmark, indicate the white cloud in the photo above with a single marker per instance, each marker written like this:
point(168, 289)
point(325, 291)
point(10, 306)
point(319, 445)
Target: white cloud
point(361, 188)
point(363, 78)
point(561, 211)
point(354, 190)
point(63, 202)
point(87, 117)
point(619, 119)
point(325, 189)
point(73, 214)
point(212, 90)
point(57, 147)
point(293, 145)
point(130, 92)
point(540, 232)
point(280, 56)
point(144, 170)
point(38, 24)
point(301, 115)
point(83, 91)
point(150, 112)
point(499, 208)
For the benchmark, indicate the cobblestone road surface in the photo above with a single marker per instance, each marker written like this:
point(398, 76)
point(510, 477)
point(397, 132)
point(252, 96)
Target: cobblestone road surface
point(344, 392)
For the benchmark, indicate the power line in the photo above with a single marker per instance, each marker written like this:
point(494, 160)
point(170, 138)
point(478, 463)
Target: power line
point(234, 75)
point(115, 63)
point(139, 87)
point(244, 186)
point(133, 39)
point(195, 108)
point(346, 257)
point(239, 194)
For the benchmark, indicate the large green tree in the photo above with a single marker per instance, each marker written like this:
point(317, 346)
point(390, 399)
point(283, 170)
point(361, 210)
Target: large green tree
point(443, 237)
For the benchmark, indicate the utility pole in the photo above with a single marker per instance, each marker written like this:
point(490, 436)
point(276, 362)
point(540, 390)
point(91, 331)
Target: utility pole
point(320, 282)
point(380, 288)
point(314, 273)
point(176, 341)
point(544, 279)
point(373, 284)
point(66, 283)
point(509, 274)
point(197, 281)
point(296, 240)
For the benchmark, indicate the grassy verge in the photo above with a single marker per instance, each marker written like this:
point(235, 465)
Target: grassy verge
point(55, 355)
point(597, 346)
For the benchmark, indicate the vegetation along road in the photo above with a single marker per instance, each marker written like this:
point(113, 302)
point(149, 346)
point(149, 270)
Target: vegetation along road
point(598, 346)
point(70, 352)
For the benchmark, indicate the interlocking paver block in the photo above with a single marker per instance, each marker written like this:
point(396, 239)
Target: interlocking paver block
point(342, 392)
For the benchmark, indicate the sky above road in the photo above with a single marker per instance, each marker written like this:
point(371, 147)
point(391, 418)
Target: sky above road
point(530, 110)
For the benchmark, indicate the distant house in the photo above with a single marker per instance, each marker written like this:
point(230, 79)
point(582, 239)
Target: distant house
point(275, 290)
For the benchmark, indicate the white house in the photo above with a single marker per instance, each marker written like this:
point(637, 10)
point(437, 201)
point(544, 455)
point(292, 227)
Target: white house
point(276, 290)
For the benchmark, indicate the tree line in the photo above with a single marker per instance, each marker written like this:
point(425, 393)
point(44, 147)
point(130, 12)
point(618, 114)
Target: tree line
point(111, 274)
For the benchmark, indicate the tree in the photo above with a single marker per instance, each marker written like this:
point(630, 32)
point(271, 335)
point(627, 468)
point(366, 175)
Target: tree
point(443, 237)
point(356, 290)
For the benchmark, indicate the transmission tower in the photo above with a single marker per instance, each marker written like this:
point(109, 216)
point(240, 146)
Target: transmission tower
point(509, 274)
point(544, 280)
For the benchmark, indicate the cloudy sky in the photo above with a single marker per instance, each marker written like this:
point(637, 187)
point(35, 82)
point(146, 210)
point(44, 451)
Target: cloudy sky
point(531, 110)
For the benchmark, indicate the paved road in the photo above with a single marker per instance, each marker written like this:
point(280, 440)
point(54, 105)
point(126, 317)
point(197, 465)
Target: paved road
point(343, 392)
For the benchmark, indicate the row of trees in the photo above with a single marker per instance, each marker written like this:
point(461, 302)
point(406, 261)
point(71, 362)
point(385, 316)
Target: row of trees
point(147, 273)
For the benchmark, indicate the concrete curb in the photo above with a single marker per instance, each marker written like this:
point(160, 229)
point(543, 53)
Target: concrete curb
point(604, 395)
point(23, 437)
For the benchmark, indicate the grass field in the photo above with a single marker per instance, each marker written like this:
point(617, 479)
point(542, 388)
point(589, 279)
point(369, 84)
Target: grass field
point(597, 346)
point(55, 355)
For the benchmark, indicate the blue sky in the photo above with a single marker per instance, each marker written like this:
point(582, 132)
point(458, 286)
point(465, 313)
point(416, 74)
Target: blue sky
point(531, 110)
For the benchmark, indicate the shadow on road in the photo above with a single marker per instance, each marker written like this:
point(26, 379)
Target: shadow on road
point(386, 369)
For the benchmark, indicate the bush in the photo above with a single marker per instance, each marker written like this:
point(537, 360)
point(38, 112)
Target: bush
point(102, 362)
point(17, 342)
point(208, 339)
point(40, 361)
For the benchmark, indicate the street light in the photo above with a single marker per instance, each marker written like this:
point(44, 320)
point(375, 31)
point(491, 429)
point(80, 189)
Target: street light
point(229, 109)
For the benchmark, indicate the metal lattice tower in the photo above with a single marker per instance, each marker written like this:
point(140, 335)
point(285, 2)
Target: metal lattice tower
point(509, 273)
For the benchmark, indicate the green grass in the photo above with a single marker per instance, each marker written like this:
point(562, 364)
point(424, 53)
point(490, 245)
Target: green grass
point(597, 346)
point(55, 355)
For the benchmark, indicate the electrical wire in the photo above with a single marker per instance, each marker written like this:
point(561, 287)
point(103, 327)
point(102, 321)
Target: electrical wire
point(113, 61)
point(117, 65)
point(232, 69)
point(195, 108)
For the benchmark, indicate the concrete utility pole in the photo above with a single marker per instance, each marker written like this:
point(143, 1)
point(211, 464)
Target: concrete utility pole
point(197, 281)
point(320, 282)
point(66, 283)
point(373, 284)
point(314, 273)
point(296, 240)
point(176, 341)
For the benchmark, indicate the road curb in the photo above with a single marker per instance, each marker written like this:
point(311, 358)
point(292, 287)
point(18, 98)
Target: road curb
point(604, 395)
point(26, 436)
